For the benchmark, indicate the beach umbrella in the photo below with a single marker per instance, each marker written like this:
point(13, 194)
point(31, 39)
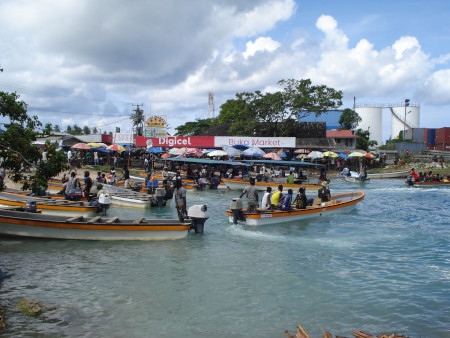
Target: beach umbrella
point(165, 155)
point(301, 151)
point(300, 156)
point(342, 155)
point(155, 150)
point(231, 151)
point(272, 156)
point(369, 155)
point(81, 146)
point(116, 147)
point(330, 154)
point(356, 154)
point(94, 145)
point(177, 151)
point(315, 154)
point(281, 153)
point(241, 146)
point(217, 153)
point(254, 151)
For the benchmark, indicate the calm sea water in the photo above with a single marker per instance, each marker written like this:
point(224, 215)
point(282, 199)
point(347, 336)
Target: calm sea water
point(383, 267)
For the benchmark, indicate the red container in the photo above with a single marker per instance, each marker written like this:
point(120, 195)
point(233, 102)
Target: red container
point(443, 135)
point(442, 146)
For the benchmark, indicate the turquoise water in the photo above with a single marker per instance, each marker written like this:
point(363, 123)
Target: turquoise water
point(383, 267)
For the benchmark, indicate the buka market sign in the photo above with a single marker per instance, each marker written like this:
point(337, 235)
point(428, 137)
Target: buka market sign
point(218, 141)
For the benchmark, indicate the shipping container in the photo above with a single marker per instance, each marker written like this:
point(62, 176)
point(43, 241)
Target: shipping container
point(418, 134)
point(413, 147)
point(430, 136)
point(442, 146)
point(443, 135)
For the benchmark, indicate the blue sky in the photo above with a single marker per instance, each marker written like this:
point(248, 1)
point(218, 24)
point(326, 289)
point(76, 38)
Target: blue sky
point(88, 62)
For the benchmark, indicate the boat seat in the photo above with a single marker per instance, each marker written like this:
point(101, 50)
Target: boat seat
point(94, 219)
point(112, 220)
point(139, 220)
point(74, 219)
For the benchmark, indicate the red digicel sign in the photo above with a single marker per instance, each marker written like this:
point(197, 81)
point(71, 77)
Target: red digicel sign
point(176, 141)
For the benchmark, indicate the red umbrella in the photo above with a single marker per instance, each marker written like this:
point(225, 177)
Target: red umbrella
point(81, 146)
point(272, 156)
point(165, 155)
point(116, 147)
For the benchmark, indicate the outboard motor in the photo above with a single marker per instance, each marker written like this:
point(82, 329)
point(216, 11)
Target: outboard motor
point(198, 215)
point(104, 202)
point(159, 193)
point(30, 206)
point(236, 207)
point(410, 180)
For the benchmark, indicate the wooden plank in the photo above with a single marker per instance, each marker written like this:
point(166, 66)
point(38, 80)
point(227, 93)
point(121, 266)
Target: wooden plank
point(139, 220)
point(112, 220)
point(74, 219)
point(94, 219)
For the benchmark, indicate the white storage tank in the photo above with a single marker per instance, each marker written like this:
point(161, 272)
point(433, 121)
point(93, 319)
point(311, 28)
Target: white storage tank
point(371, 117)
point(399, 123)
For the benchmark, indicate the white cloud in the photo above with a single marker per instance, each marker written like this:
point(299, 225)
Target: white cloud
point(260, 44)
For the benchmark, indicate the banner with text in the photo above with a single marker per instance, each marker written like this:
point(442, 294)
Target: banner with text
point(260, 142)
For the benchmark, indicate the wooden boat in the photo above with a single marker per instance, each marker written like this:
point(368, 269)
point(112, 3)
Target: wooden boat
point(432, 184)
point(338, 203)
point(16, 222)
point(129, 198)
point(47, 205)
point(393, 174)
point(238, 184)
point(358, 179)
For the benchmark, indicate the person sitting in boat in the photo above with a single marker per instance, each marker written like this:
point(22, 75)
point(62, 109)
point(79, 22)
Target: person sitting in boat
point(276, 198)
point(169, 190)
point(99, 178)
point(265, 202)
point(72, 184)
point(252, 196)
point(324, 192)
point(414, 175)
point(290, 178)
point(287, 201)
point(301, 201)
point(346, 172)
point(94, 202)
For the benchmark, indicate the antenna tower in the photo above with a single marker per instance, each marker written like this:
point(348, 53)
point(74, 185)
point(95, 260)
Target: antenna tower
point(210, 105)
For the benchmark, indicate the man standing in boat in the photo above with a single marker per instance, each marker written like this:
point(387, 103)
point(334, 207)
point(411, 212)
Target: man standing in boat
point(252, 196)
point(180, 200)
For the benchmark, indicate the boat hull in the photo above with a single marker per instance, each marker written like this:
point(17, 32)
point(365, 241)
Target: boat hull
point(394, 174)
point(429, 184)
point(338, 204)
point(356, 179)
point(23, 224)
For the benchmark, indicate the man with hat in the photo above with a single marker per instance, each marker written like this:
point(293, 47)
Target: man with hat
point(324, 192)
point(252, 196)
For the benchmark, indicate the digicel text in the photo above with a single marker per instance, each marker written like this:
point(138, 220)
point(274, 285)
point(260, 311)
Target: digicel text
point(174, 141)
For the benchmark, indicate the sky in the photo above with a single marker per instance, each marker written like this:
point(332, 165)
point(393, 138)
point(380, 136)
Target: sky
point(90, 62)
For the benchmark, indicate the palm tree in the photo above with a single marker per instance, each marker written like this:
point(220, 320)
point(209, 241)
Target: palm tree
point(138, 119)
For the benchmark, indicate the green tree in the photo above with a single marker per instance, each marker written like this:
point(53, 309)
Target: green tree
point(86, 130)
point(69, 130)
point(48, 129)
point(94, 130)
point(349, 119)
point(77, 130)
point(276, 114)
point(197, 128)
point(18, 150)
point(56, 129)
point(363, 140)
